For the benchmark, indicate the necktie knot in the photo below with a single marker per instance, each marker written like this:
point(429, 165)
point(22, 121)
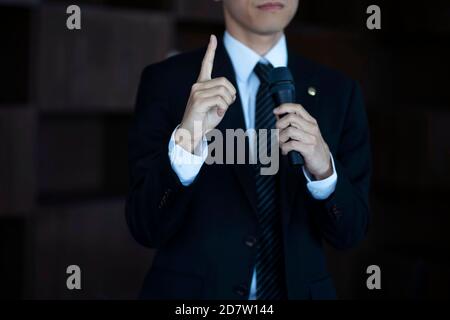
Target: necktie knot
point(262, 71)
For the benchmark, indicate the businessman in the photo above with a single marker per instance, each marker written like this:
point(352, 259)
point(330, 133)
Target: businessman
point(225, 231)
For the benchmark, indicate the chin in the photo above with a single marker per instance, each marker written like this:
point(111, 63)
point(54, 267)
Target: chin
point(269, 23)
point(267, 29)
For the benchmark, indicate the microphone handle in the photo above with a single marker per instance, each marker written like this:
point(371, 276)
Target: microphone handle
point(287, 96)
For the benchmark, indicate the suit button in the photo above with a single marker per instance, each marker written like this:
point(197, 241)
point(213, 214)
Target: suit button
point(250, 241)
point(241, 290)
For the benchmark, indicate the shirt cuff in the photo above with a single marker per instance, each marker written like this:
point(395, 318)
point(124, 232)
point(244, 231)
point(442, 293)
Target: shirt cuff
point(321, 189)
point(185, 164)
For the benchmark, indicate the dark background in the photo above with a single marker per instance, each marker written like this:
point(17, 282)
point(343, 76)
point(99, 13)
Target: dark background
point(66, 98)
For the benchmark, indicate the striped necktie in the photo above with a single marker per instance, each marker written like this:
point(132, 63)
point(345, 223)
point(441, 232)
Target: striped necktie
point(270, 280)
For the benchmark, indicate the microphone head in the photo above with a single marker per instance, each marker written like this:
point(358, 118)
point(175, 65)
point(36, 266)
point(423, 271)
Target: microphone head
point(281, 80)
point(280, 74)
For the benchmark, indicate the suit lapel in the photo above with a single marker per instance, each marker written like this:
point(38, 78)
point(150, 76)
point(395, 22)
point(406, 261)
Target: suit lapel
point(290, 178)
point(234, 119)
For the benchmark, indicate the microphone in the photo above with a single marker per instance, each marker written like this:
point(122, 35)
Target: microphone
point(282, 88)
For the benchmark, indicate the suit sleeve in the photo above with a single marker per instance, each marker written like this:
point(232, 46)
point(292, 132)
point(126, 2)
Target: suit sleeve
point(157, 201)
point(344, 216)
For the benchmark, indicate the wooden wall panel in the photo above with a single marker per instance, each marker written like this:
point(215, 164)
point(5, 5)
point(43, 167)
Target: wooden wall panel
point(410, 149)
point(70, 155)
point(17, 160)
point(99, 66)
point(94, 236)
point(200, 10)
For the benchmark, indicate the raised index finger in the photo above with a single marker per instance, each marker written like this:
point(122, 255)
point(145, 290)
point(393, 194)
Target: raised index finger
point(208, 60)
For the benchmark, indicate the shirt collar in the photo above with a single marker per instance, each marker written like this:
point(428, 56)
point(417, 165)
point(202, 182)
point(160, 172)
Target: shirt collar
point(245, 59)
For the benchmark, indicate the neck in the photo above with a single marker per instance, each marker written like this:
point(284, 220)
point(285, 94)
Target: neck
point(259, 43)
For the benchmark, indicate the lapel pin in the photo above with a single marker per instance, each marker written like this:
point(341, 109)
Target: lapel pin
point(312, 91)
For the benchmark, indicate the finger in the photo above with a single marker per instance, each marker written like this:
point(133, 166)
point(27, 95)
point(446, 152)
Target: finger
point(208, 60)
point(294, 145)
point(213, 102)
point(293, 119)
point(294, 108)
point(205, 94)
point(222, 81)
point(292, 133)
point(214, 91)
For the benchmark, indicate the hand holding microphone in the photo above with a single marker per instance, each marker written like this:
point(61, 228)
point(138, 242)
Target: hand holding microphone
point(208, 101)
point(283, 91)
point(300, 135)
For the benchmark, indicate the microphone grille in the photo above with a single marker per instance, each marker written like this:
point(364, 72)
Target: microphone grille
point(280, 74)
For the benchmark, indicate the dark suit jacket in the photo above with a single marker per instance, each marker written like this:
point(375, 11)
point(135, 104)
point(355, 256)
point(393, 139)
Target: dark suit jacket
point(206, 233)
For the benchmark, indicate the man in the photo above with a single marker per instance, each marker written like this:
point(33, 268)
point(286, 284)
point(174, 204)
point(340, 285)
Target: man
point(224, 231)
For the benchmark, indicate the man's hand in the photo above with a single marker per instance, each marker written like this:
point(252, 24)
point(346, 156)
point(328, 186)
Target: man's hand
point(207, 104)
point(300, 132)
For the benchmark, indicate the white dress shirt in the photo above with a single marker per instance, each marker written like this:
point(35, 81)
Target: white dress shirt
point(244, 60)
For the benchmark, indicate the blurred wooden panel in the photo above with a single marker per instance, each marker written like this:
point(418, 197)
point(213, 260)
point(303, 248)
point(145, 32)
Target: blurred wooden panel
point(12, 257)
point(82, 155)
point(410, 149)
point(138, 4)
point(402, 276)
point(70, 155)
point(94, 236)
point(406, 239)
point(338, 14)
point(20, 2)
point(431, 18)
point(407, 70)
point(419, 72)
point(439, 281)
point(17, 160)
point(438, 148)
point(99, 66)
point(343, 51)
point(194, 35)
point(438, 16)
point(398, 148)
point(115, 168)
point(419, 222)
point(15, 34)
point(201, 10)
